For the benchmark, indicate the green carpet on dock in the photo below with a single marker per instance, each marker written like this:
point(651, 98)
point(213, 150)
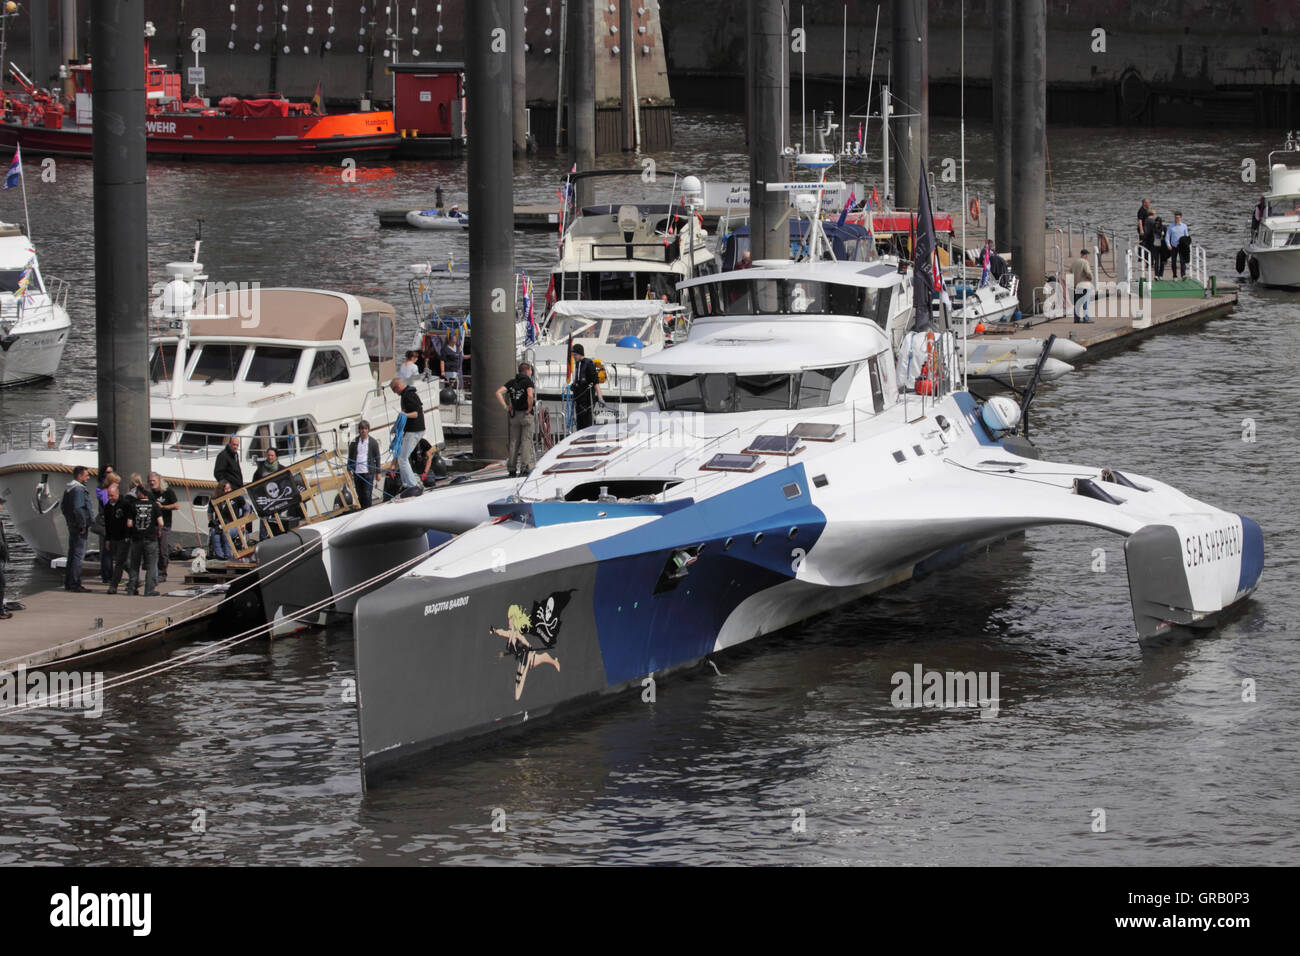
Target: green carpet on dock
point(1177, 289)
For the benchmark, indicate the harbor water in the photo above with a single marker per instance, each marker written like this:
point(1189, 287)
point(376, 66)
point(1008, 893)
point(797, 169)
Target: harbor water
point(789, 751)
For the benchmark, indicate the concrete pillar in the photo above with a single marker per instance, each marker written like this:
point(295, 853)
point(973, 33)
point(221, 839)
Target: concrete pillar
point(1003, 124)
point(627, 63)
point(68, 24)
point(1029, 145)
point(769, 99)
point(582, 98)
point(518, 77)
point(911, 95)
point(121, 235)
point(490, 176)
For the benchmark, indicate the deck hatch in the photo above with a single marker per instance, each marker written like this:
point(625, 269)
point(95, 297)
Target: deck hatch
point(725, 462)
point(817, 431)
point(774, 445)
point(593, 450)
point(564, 467)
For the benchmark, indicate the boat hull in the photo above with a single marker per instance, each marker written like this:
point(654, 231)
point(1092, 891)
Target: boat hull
point(1279, 267)
point(225, 138)
point(28, 356)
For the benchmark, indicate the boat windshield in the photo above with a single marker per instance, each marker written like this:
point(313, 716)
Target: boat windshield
point(217, 363)
point(161, 362)
point(273, 365)
point(642, 284)
point(789, 297)
point(9, 279)
point(1284, 205)
point(729, 392)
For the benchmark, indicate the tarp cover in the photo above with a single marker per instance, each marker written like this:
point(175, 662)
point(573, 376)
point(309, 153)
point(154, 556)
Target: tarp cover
point(267, 107)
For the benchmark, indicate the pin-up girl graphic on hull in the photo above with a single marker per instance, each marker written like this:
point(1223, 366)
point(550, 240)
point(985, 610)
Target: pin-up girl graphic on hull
point(543, 626)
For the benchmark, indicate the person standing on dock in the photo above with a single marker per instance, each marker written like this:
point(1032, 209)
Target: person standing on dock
point(76, 512)
point(519, 407)
point(167, 502)
point(413, 409)
point(1179, 239)
point(145, 521)
point(117, 534)
point(1081, 273)
point(363, 463)
point(101, 492)
point(1144, 211)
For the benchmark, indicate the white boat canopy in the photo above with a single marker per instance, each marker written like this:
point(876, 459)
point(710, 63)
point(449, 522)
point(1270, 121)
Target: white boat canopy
point(760, 348)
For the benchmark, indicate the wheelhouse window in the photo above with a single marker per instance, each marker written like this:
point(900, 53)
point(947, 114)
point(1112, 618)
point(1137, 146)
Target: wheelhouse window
point(217, 363)
point(201, 435)
point(727, 392)
point(162, 362)
point(329, 366)
point(161, 432)
point(308, 438)
point(273, 365)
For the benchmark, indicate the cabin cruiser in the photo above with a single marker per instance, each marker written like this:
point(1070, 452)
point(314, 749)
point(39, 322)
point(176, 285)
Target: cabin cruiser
point(1272, 253)
point(290, 369)
point(34, 320)
point(787, 468)
point(629, 250)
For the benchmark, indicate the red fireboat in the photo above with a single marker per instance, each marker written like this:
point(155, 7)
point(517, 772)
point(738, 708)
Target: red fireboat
point(249, 130)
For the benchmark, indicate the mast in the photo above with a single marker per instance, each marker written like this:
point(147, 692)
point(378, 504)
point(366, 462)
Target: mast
point(965, 301)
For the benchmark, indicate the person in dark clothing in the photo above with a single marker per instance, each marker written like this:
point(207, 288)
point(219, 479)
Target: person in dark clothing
point(519, 397)
point(1149, 240)
point(227, 467)
point(145, 521)
point(1161, 254)
point(106, 478)
point(364, 468)
point(1144, 211)
point(117, 534)
point(76, 512)
point(162, 493)
point(586, 388)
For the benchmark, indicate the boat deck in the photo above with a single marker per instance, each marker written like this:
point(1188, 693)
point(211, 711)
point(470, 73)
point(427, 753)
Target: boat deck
point(56, 625)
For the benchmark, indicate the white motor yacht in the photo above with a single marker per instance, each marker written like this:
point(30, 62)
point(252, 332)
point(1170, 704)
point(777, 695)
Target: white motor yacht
point(290, 369)
point(1273, 252)
point(34, 321)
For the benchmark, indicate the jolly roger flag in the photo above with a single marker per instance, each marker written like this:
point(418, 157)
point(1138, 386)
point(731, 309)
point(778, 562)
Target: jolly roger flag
point(275, 494)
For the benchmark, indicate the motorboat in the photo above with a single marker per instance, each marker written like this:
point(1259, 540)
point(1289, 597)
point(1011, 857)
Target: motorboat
point(446, 220)
point(1272, 253)
point(34, 323)
point(285, 368)
point(787, 468)
point(629, 250)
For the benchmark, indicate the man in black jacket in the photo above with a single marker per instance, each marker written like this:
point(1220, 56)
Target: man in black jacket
point(227, 468)
point(586, 387)
point(364, 468)
point(76, 512)
point(117, 535)
point(145, 523)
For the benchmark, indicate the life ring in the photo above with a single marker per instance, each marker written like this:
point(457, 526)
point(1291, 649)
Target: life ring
point(975, 210)
point(1103, 245)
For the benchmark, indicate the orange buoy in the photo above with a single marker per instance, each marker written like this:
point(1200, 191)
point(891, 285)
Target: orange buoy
point(979, 328)
point(975, 210)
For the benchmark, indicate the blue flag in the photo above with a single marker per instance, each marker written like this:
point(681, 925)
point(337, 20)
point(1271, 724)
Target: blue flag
point(15, 173)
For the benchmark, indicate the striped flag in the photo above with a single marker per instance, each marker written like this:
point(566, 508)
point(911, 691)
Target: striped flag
point(15, 174)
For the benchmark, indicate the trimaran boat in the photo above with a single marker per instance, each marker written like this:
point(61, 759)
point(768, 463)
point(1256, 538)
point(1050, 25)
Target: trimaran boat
point(794, 462)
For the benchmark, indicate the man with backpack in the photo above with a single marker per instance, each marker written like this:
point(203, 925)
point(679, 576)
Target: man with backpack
point(586, 388)
point(518, 397)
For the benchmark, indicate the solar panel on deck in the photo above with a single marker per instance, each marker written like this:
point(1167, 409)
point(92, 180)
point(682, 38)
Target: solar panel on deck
point(732, 463)
point(816, 431)
point(773, 445)
point(588, 450)
point(561, 467)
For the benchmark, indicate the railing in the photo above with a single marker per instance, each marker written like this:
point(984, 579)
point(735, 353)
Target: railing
point(16, 436)
point(1199, 269)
